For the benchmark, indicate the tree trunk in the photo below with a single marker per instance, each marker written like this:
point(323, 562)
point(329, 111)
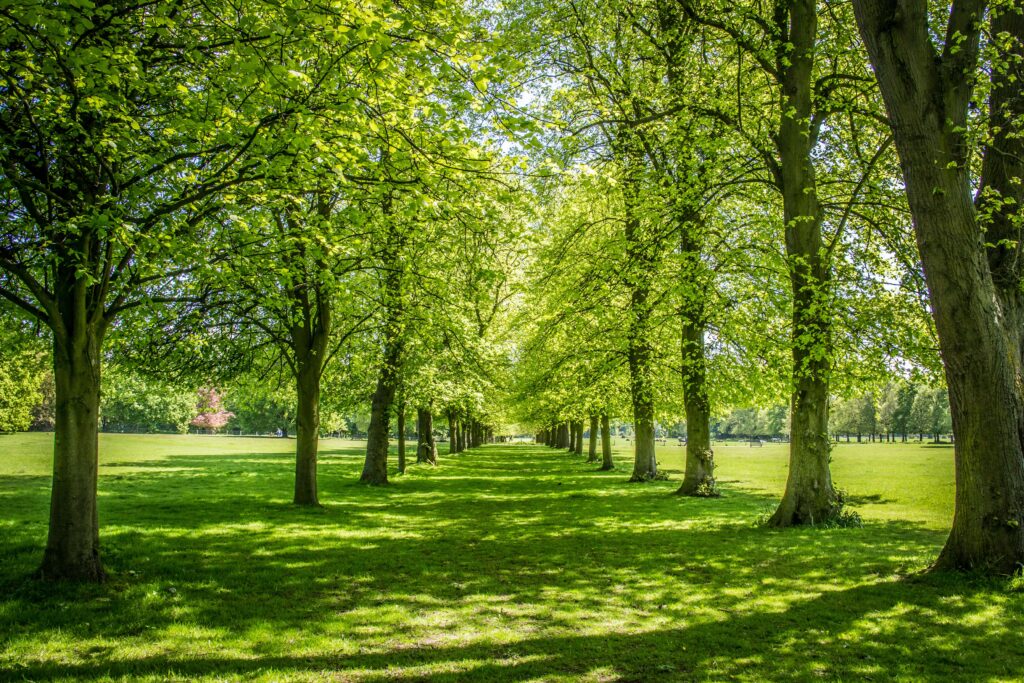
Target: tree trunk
point(455, 422)
point(641, 255)
point(699, 476)
point(927, 107)
point(401, 435)
point(645, 464)
point(606, 444)
point(73, 543)
point(592, 445)
point(375, 467)
point(307, 428)
point(578, 424)
point(308, 336)
point(426, 449)
point(810, 497)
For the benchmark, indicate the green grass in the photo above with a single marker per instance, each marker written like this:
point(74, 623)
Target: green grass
point(504, 563)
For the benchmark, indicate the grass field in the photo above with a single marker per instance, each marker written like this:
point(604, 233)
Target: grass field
point(504, 563)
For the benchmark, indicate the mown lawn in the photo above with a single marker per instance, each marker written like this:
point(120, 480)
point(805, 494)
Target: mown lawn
point(504, 563)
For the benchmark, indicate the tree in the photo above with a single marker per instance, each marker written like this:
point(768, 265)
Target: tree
point(843, 418)
point(211, 415)
point(800, 82)
point(968, 244)
point(867, 415)
point(132, 402)
point(260, 406)
point(124, 129)
point(888, 409)
point(22, 374)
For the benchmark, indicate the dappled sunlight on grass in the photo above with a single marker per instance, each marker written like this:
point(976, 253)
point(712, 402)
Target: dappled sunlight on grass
point(504, 563)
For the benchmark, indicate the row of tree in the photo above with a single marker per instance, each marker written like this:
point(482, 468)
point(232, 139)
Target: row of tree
point(734, 224)
point(284, 195)
point(898, 409)
point(646, 209)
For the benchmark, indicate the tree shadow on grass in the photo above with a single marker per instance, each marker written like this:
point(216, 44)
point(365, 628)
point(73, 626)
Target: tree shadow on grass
point(881, 630)
point(489, 545)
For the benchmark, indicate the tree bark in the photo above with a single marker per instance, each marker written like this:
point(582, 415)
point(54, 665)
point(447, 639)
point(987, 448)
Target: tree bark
point(375, 468)
point(606, 444)
point(378, 439)
point(73, 543)
point(453, 427)
point(640, 255)
point(307, 429)
point(426, 449)
point(699, 474)
point(401, 435)
point(927, 96)
point(579, 437)
point(592, 442)
point(810, 497)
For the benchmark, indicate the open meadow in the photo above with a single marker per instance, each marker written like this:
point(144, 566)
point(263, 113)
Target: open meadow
point(507, 562)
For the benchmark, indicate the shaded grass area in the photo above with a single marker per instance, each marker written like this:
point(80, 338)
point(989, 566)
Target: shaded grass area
point(503, 563)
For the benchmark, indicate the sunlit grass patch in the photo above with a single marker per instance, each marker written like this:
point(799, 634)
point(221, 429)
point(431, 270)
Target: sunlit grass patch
point(504, 563)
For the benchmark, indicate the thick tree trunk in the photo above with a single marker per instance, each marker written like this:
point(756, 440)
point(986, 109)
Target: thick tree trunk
point(606, 444)
point(307, 427)
point(810, 497)
point(375, 467)
point(73, 543)
point(699, 475)
point(927, 99)
point(645, 464)
point(426, 449)
point(579, 437)
point(592, 442)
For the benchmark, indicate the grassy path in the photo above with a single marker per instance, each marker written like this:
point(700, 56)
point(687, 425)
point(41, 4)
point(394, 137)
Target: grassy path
point(504, 563)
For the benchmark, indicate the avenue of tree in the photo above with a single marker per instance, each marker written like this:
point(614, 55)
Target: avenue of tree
point(542, 217)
